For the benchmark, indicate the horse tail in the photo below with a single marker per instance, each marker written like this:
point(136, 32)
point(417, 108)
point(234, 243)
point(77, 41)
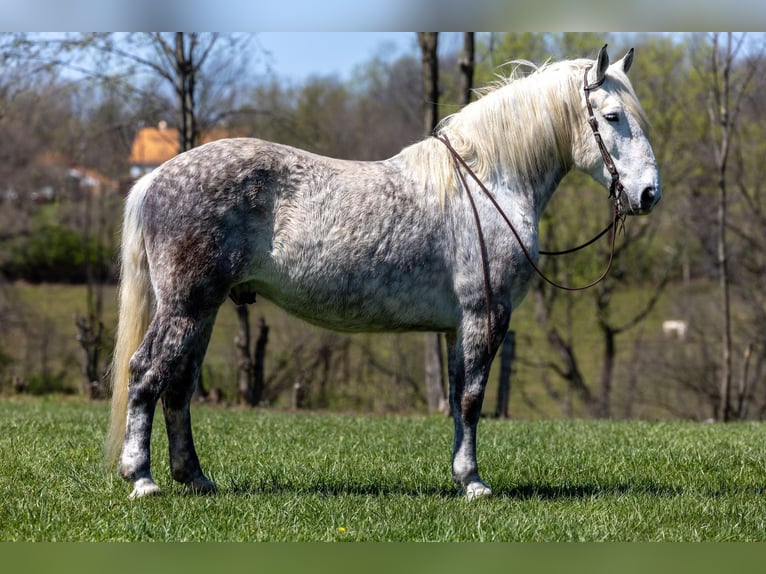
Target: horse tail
point(136, 300)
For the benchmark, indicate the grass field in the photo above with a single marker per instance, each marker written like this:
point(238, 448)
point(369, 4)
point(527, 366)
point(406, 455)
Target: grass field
point(322, 477)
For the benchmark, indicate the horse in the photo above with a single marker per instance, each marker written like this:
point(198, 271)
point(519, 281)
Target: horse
point(390, 245)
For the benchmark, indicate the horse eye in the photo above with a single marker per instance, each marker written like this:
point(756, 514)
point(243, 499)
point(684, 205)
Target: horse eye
point(612, 117)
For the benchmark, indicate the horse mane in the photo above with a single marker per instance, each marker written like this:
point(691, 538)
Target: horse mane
point(517, 123)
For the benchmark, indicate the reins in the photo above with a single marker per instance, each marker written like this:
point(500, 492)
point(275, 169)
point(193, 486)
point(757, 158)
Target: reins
point(616, 191)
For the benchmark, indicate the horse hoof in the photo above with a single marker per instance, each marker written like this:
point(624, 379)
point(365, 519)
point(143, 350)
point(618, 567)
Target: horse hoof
point(144, 487)
point(477, 490)
point(202, 486)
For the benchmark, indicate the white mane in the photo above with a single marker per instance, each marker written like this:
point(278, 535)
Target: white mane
point(520, 124)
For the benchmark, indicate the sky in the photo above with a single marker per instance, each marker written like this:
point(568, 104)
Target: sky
point(381, 15)
point(300, 55)
point(331, 37)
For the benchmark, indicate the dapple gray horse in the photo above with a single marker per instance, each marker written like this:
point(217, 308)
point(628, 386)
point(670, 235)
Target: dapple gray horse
point(361, 246)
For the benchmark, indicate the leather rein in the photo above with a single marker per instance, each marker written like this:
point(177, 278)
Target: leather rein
point(616, 192)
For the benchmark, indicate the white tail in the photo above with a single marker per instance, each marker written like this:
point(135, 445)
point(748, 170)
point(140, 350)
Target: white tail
point(136, 301)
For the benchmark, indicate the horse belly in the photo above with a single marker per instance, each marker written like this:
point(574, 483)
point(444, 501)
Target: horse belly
point(358, 295)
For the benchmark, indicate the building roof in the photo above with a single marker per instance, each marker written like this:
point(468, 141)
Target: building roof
point(155, 145)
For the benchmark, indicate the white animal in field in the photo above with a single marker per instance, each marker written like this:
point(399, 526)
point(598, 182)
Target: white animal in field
point(675, 328)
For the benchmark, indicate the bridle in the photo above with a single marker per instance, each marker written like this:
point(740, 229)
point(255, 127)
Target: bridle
point(616, 189)
point(616, 193)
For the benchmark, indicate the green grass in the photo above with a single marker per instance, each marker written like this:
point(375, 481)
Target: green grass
point(322, 477)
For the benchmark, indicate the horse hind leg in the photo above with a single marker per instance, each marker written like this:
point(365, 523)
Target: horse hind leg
point(170, 350)
point(184, 462)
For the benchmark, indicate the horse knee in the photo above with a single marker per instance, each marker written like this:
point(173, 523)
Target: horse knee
point(144, 390)
point(143, 386)
point(468, 405)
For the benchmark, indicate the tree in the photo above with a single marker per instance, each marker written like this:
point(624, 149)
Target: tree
point(727, 81)
point(566, 223)
point(467, 63)
point(434, 371)
point(429, 52)
point(250, 365)
point(193, 67)
point(190, 64)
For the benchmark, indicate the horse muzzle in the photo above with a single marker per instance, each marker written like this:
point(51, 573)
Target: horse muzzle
point(642, 204)
point(650, 197)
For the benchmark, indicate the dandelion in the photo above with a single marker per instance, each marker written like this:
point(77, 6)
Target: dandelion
point(341, 528)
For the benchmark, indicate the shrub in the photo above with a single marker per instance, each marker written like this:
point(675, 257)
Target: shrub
point(55, 254)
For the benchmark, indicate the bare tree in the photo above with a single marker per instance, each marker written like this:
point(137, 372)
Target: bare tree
point(595, 393)
point(727, 85)
point(428, 47)
point(434, 371)
point(178, 58)
point(507, 352)
point(250, 364)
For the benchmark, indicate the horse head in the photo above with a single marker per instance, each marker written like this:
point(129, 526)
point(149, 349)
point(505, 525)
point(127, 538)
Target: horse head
point(613, 145)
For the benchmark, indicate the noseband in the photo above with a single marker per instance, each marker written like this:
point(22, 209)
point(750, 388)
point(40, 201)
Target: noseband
point(616, 194)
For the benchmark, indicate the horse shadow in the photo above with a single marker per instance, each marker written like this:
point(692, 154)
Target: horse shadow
point(518, 492)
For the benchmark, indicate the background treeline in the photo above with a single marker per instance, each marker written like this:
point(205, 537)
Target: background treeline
point(70, 107)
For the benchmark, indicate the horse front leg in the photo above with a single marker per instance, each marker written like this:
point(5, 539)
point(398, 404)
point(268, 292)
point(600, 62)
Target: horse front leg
point(470, 359)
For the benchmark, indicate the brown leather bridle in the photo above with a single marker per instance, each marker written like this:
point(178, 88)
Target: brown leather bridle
point(616, 188)
point(616, 193)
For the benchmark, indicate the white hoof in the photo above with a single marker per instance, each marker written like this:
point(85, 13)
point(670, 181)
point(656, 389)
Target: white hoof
point(476, 490)
point(144, 487)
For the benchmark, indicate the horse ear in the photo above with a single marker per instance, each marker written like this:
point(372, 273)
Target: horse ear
point(627, 61)
point(602, 63)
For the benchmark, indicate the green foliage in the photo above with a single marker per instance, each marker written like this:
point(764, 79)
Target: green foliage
point(288, 477)
point(5, 361)
point(498, 50)
point(55, 253)
point(42, 383)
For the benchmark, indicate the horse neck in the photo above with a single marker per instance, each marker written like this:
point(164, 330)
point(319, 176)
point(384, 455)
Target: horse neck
point(519, 138)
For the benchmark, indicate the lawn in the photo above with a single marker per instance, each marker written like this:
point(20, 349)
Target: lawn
point(326, 477)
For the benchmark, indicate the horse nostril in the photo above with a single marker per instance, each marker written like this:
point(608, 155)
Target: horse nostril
point(648, 197)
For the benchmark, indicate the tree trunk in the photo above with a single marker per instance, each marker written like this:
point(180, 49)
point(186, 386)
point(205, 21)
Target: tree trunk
point(743, 394)
point(724, 409)
point(437, 400)
point(260, 361)
point(89, 335)
point(603, 410)
point(250, 367)
point(428, 46)
point(721, 130)
point(467, 60)
point(571, 372)
point(185, 90)
point(90, 328)
point(245, 364)
point(325, 353)
point(507, 354)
